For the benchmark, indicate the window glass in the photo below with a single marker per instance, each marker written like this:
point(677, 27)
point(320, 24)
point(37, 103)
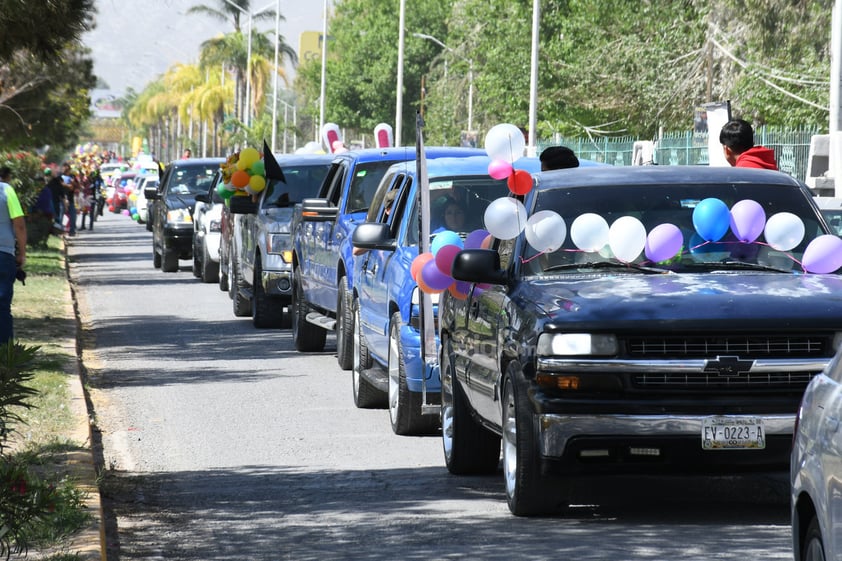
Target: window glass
point(301, 182)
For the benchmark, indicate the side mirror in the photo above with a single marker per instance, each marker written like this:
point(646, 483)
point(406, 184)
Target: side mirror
point(151, 193)
point(318, 210)
point(479, 266)
point(203, 197)
point(242, 205)
point(373, 235)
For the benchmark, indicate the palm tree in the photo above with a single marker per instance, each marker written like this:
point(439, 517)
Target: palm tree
point(228, 11)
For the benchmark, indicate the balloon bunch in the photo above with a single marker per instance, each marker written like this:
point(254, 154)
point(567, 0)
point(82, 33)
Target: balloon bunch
point(243, 173)
point(431, 270)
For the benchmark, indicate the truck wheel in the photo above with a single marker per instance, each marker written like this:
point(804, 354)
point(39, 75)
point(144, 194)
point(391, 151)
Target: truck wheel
point(308, 338)
point(813, 548)
point(344, 327)
point(366, 396)
point(223, 275)
point(169, 261)
point(197, 264)
point(156, 258)
point(527, 491)
point(240, 304)
point(265, 310)
point(404, 405)
point(469, 448)
point(210, 269)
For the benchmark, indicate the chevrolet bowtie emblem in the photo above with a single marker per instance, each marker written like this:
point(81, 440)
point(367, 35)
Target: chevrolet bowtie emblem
point(728, 366)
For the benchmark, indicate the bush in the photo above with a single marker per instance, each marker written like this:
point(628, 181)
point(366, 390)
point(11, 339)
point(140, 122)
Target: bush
point(27, 175)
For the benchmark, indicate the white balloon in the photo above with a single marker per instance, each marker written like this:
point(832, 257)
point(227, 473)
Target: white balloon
point(545, 231)
point(505, 142)
point(627, 238)
point(589, 232)
point(784, 231)
point(505, 218)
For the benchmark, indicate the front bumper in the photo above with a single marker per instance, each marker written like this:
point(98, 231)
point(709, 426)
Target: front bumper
point(179, 239)
point(613, 442)
point(277, 283)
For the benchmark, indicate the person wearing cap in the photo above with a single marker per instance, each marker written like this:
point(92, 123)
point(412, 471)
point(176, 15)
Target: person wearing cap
point(737, 139)
point(12, 250)
point(558, 157)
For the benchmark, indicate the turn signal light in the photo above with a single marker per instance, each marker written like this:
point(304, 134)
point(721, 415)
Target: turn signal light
point(559, 382)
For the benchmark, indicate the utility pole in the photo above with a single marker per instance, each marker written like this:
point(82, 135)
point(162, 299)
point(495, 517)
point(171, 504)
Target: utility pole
point(835, 125)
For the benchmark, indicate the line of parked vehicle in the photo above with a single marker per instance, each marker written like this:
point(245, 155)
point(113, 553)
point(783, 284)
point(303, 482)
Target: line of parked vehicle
point(672, 325)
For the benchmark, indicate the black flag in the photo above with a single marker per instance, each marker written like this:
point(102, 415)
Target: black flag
point(270, 164)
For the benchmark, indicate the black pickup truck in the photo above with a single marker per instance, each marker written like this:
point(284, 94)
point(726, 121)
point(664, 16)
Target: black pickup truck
point(667, 322)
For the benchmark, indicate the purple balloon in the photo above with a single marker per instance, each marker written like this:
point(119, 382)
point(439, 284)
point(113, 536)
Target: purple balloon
point(474, 239)
point(445, 256)
point(434, 278)
point(747, 220)
point(823, 255)
point(462, 287)
point(663, 242)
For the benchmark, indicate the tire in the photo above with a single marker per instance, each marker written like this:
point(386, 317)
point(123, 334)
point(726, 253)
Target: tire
point(210, 269)
point(344, 327)
point(366, 396)
point(239, 304)
point(232, 264)
point(528, 493)
point(404, 405)
point(265, 310)
point(156, 258)
point(197, 265)
point(169, 261)
point(308, 338)
point(469, 448)
point(813, 547)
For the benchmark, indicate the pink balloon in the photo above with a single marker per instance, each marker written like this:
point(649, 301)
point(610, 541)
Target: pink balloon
point(499, 169)
point(663, 242)
point(823, 255)
point(747, 220)
point(445, 256)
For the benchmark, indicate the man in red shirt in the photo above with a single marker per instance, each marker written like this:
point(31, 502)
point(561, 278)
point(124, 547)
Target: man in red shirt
point(737, 139)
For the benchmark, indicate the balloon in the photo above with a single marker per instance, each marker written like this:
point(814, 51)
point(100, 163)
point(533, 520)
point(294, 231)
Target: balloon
point(486, 243)
point(135, 216)
point(475, 238)
point(747, 220)
point(499, 169)
point(459, 290)
point(248, 156)
point(418, 263)
point(627, 238)
point(224, 193)
point(257, 183)
point(505, 218)
point(505, 142)
point(432, 277)
point(239, 179)
point(241, 165)
point(545, 231)
point(589, 232)
point(424, 287)
point(520, 182)
point(258, 168)
point(663, 242)
point(446, 237)
point(445, 256)
point(784, 231)
point(823, 255)
point(124, 212)
point(711, 218)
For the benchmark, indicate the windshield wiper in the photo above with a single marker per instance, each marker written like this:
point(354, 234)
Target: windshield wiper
point(608, 265)
point(734, 264)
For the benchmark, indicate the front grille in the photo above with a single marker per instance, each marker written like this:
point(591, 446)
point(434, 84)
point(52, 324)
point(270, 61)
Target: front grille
point(774, 380)
point(747, 347)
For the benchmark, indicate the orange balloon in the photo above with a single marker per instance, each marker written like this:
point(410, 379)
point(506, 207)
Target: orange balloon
point(455, 292)
point(486, 242)
point(417, 264)
point(520, 182)
point(240, 179)
point(425, 288)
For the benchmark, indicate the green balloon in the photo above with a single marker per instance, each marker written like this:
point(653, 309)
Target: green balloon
point(258, 168)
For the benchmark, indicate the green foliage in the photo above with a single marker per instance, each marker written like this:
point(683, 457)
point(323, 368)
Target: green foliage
point(42, 27)
point(27, 175)
point(16, 363)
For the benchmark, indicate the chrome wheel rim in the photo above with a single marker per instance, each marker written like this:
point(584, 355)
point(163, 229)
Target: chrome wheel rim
point(509, 444)
point(446, 410)
point(356, 368)
point(394, 378)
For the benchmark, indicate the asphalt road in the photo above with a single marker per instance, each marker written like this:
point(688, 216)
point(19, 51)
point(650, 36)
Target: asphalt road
point(220, 442)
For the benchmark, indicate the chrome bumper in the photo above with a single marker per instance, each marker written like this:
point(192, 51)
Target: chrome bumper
point(277, 283)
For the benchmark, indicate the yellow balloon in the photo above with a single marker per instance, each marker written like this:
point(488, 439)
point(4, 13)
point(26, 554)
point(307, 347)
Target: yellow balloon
point(248, 156)
point(242, 165)
point(257, 183)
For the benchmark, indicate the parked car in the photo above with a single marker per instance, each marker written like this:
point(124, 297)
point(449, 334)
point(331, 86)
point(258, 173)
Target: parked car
point(816, 469)
point(172, 209)
point(123, 185)
point(141, 203)
point(672, 341)
point(831, 208)
point(388, 366)
point(207, 218)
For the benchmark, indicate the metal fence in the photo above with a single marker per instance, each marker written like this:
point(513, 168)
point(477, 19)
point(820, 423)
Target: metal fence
point(688, 148)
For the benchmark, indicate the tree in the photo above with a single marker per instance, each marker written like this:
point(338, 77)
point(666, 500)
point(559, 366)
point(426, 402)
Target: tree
point(228, 11)
point(42, 27)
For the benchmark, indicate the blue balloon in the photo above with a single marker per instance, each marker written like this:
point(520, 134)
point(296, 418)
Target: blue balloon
point(712, 219)
point(446, 237)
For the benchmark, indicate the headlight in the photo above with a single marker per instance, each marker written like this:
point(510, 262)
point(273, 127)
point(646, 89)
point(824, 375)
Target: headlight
point(214, 226)
point(179, 216)
point(277, 244)
point(576, 344)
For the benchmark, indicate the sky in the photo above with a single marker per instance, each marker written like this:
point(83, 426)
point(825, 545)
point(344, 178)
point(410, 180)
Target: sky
point(135, 41)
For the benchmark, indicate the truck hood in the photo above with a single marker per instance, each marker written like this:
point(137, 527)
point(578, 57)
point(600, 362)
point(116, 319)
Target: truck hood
point(278, 220)
point(695, 301)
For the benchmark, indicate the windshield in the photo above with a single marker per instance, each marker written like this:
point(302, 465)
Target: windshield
point(301, 182)
point(658, 226)
point(366, 178)
point(192, 180)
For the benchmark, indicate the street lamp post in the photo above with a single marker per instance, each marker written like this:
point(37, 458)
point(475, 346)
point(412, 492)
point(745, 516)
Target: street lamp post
point(470, 62)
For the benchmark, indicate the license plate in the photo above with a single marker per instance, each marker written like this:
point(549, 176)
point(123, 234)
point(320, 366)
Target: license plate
point(733, 433)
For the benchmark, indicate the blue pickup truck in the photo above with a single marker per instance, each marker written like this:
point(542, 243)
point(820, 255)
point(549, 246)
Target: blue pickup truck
point(322, 252)
point(386, 312)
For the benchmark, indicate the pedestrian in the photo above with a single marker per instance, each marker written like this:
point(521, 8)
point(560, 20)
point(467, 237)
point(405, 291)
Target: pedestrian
point(12, 250)
point(737, 139)
point(72, 187)
point(186, 154)
point(558, 157)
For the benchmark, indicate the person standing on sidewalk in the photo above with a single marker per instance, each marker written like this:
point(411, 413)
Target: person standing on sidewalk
point(737, 139)
point(12, 250)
